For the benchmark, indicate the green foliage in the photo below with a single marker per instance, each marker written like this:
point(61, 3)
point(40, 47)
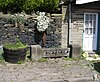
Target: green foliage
point(19, 18)
point(81, 51)
point(6, 5)
point(71, 59)
point(47, 5)
point(17, 45)
point(20, 62)
point(43, 60)
point(66, 65)
point(28, 5)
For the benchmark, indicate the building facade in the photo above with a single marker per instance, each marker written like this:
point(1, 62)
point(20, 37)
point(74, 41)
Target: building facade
point(84, 28)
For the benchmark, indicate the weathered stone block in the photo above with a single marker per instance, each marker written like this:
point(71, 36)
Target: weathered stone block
point(76, 51)
point(62, 52)
point(1, 50)
point(36, 52)
point(49, 52)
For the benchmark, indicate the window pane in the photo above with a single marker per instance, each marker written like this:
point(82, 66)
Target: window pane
point(93, 30)
point(90, 23)
point(94, 17)
point(86, 23)
point(90, 16)
point(87, 17)
point(94, 24)
point(86, 30)
point(90, 30)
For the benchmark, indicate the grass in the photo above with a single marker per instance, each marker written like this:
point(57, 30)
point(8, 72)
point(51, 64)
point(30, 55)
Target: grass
point(71, 59)
point(20, 62)
point(12, 46)
point(66, 65)
point(43, 60)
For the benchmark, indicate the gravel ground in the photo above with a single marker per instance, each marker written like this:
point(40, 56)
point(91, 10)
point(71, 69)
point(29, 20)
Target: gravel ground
point(56, 70)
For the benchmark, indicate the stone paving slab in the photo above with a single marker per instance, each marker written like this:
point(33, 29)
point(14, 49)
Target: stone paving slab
point(54, 70)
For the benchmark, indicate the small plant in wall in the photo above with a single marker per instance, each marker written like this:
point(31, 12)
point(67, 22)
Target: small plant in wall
point(19, 20)
point(15, 52)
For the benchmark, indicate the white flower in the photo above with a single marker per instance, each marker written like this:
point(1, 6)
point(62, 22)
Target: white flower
point(42, 22)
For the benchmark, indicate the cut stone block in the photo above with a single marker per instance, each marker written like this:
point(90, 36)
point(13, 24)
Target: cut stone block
point(1, 50)
point(56, 52)
point(36, 52)
point(76, 51)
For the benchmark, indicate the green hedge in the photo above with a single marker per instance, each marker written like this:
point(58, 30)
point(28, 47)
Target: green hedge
point(28, 6)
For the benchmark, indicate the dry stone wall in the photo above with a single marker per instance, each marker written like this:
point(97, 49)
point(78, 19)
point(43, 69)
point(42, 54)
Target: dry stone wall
point(9, 33)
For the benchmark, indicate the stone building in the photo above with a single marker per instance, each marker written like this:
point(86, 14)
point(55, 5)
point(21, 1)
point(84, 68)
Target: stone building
point(81, 24)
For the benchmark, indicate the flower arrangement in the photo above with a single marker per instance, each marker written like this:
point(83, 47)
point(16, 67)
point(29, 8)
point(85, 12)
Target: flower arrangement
point(42, 22)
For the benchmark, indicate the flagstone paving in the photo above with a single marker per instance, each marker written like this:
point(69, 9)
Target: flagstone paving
point(56, 70)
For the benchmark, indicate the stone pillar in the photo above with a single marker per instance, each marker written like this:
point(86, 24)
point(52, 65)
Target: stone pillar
point(1, 50)
point(64, 27)
point(76, 51)
point(36, 52)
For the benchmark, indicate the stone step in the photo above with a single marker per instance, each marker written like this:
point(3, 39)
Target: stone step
point(91, 53)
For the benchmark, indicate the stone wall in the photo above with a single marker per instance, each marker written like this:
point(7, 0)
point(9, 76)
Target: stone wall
point(9, 33)
point(77, 26)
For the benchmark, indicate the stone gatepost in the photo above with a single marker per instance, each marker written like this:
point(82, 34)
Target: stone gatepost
point(64, 27)
point(76, 50)
point(36, 52)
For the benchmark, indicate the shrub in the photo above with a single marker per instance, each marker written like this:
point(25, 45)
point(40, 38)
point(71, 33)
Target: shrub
point(47, 5)
point(28, 5)
point(6, 5)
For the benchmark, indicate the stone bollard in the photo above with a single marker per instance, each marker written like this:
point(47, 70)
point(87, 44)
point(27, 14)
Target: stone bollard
point(36, 52)
point(76, 51)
